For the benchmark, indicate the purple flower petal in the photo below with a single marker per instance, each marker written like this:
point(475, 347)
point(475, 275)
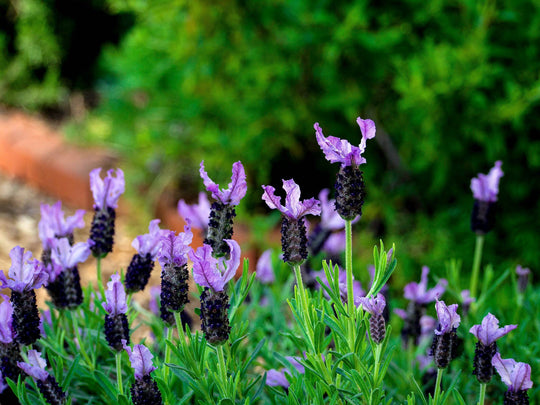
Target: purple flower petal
point(107, 191)
point(6, 312)
point(174, 248)
point(236, 189)
point(198, 214)
point(25, 273)
point(367, 127)
point(115, 296)
point(264, 271)
point(275, 378)
point(140, 358)
point(419, 293)
point(211, 272)
point(294, 208)
point(486, 187)
point(53, 225)
point(516, 376)
point(66, 256)
point(35, 367)
point(149, 243)
point(448, 317)
point(488, 331)
point(373, 305)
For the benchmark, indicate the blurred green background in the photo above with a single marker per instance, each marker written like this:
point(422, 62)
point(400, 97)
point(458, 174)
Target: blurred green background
point(452, 86)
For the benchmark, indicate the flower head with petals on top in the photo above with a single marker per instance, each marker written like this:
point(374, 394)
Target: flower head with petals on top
point(174, 248)
point(488, 331)
point(294, 208)
point(140, 358)
point(53, 224)
point(65, 256)
point(25, 273)
point(373, 305)
point(198, 214)
point(35, 367)
point(115, 296)
point(107, 191)
point(448, 317)
point(6, 320)
point(341, 151)
point(211, 272)
point(419, 293)
point(486, 187)
point(149, 243)
point(516, 376)
point(237, 187)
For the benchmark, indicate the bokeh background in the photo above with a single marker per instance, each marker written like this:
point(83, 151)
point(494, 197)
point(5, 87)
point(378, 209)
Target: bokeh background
point(453, 85)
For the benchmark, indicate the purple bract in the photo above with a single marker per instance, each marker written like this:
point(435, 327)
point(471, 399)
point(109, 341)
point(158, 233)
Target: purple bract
point(264, 270)
point(196, 213)
point(448, 317)
point(53, 224)
point(6, 319)
point(341, 151)
point(373, 305)
point(237, 187)
point(35, 367)
point(25, 273)
point(211, 272)
point(115, 296)
point(419, 293)
point(358, 291)
point(294, 208)
point(107, 191)
point(149, 243)
point(516, 376)
point(488, 331)
point(140, 358)
point(173, 249)
point(486, 187)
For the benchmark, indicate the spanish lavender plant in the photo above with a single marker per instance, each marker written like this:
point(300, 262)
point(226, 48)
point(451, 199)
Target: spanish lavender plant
point(220, 223)
point(25, 275)
point(64, 282)
point(173, 250)
point(144, 391)
point(487, 333)
point(375, 306)
point(197, 214)
point(516, 376)
point(53, 225)
point(293, 228)
point(116, 322)
point(47, 384)
point(106, 193)
point(10, 352)
point(213, 275)
point(142, 263)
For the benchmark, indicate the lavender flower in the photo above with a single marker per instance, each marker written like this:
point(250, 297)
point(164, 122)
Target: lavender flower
point(47, 384)
point(174, 272)
point(142, 263)
point(487, 333)
point(419, 296)
point(25, 275)
point(64, 284)
point(523, 278)
point(144, 390)
point(516, 376)
point(10, 352)
point(445, 339)
point(53, 226)
point(116, 323)
point(220, 224)
point(350, 187)
point(485, 189)
point(213, 274)
point(375, 306)
point(466, 301)
point(106, 193)
point(275, 378)
point(264, 271)
point(293, 228)
point(197, 214)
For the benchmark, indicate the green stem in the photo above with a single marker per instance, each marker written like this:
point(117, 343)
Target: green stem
point(482, 394)
point(438, 386)
point(222, 365)
point(81, 343)
point(348, 268)
point(302, 303)
point(179, 327)
point(168, 354)
point(476, 264)
point(377, 359)
point(99, 278)
point(119, 372)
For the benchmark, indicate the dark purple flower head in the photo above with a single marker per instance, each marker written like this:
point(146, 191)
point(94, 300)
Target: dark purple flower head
point(341, 151)
point(294, 208)
point(198, 214)
point(264, 270)
point(448, 317)
point(419, 293)
point(330, 219)
point(516, 376)
point(237, 187)
point(6, 320)
point(65, 256)
point(173, 249)
point(149, 243)
point(25, 273)
point(373, 305)
point(486, 187)
point(211, 272)
point(115, 296)
point(488, 331)
point(140, 358)
point(107, 191)
point(35, 366)
point(53, 224)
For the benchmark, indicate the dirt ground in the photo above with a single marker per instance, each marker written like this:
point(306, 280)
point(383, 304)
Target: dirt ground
point(19, 218)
